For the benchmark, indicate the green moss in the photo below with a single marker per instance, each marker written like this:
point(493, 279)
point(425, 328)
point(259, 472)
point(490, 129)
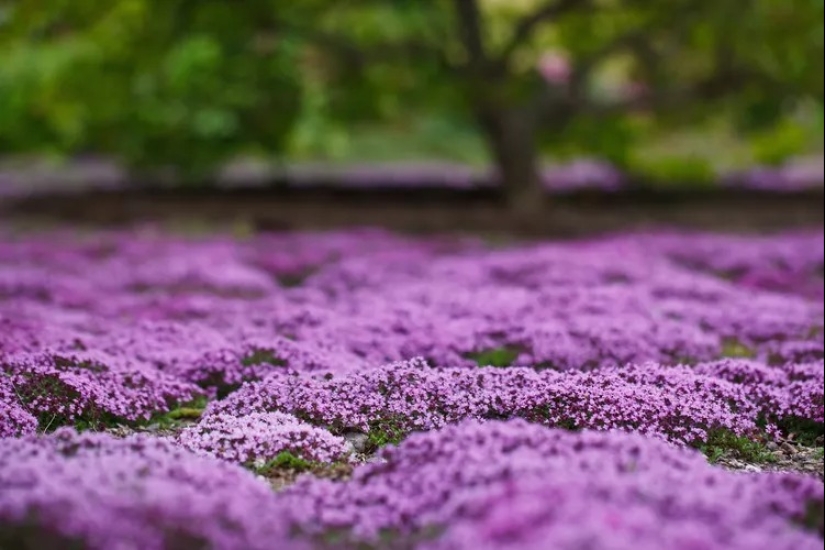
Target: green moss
point(296, 279)
point(379, 439)
point(390, 431)
point(569, 425)
point(185, 413)
point(263, 357)
point(498, 357)
point(723, 443)
point(387, 538)
point(804, 431)
point(814, 518)
point(687, 171)
point(217, 382)
point(92, 422)
point(733, 348)
point(284, 461)
point(714, 454)
point(178, 416)
point(32, 531)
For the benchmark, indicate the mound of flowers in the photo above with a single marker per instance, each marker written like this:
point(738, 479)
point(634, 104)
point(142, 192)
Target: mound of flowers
point(517, 485)
point(472, 485)
point(14, 418)
point(261, 437)
point(89, 386)
point(528, 395)
point(69, 490)
point(677, 403)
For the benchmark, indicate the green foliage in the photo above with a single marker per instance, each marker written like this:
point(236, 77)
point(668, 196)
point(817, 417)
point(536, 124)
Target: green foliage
point(696, 172)
point(814, 517)
point(387, 431)
point(776, 145)
point(87, 423)
point(156, 84)
point(186, 85)
point(338, 539)
point(295, 279)
point(732, 348)
point(185, 413)
point(178, 416)
point(723, 443)
point(414, 136)
point(263, 357)
point(613, 139)
point(285, 461)
point(804, 431)
point(499, 357)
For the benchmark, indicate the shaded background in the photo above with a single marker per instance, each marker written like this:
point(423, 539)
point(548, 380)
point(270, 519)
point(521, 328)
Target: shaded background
point(413, 92)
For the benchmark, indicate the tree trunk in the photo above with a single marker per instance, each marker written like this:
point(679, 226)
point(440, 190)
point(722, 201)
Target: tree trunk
point(512, 139)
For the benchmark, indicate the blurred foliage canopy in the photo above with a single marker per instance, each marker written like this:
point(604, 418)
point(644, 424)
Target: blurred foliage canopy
point(191, 83)
point(150, 82)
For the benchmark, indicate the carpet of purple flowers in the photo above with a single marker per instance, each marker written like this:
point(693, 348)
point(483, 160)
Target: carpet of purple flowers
point(530, 396)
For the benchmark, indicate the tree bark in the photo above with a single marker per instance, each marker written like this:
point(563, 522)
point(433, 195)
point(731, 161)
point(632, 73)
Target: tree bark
point(512, 139)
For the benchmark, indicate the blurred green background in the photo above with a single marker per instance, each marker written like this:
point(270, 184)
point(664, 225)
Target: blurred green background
point(676, 89)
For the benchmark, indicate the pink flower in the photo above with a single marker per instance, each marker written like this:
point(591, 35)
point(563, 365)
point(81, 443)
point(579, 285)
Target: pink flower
point(555, 67)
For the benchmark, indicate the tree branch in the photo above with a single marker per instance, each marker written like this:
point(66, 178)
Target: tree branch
point(638, 38)
point(361, 54)
point(722, 83)
point(528, 25)
point(471, 30)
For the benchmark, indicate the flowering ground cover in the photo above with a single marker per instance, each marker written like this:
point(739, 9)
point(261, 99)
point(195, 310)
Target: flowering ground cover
point(559, 178)
point(164, 391)
point(577, 175)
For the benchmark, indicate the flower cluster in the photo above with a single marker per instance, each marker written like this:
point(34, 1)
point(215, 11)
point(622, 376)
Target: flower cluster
point(128, 324)
point(14, 419)
point(300, 339)
point(793, 264)
point(260, 437)
point(678, 403)
point(472, 485)
point(89, 386)
point(788, 178)
point(516, 485)
point(793, 390)
point(93, 491)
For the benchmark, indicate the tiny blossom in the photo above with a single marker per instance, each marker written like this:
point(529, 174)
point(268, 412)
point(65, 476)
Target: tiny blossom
point(555, 67)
